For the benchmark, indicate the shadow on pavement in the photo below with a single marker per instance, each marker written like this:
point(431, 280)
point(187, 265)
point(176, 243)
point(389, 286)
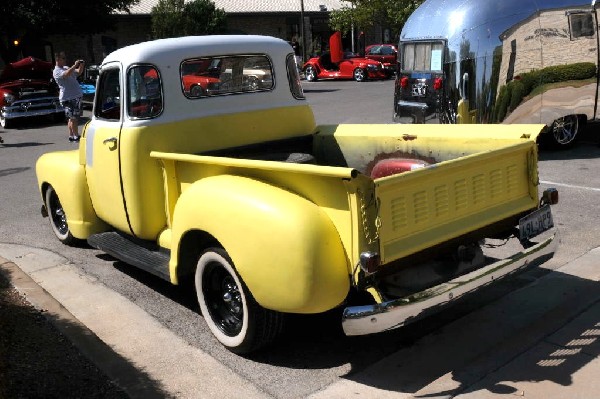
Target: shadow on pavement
point(41, 355)
point(519, 338)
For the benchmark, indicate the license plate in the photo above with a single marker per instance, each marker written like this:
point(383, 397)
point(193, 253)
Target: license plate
point(419, 90)
point(536, 223)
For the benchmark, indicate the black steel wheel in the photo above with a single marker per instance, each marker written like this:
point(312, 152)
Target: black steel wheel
point(231, 313)
point(58, 218)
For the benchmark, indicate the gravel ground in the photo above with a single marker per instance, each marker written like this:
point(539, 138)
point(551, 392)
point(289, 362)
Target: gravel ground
point(37, 361)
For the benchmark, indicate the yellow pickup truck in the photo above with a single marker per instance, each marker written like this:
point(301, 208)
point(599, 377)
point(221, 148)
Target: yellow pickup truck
point(233, 186)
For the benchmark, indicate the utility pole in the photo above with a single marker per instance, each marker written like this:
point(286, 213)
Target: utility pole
point(303, 43)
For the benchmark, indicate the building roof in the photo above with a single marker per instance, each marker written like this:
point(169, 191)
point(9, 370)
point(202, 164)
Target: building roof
point(256, 6)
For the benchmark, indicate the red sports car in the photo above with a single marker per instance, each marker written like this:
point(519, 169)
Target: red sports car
point(350, 66)
point(337, 64)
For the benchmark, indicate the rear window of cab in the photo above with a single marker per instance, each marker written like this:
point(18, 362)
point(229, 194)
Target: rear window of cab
point(222, 75)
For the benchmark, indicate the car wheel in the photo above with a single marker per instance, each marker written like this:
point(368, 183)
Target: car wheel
point(360, 75)
point(231, 313)
point(310, 73)
point(58, 218)
point(196, 91)
point(564, 131)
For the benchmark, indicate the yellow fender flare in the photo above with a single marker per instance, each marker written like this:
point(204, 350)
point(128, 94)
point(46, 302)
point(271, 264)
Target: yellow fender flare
point(284, 247)
point(66, 175)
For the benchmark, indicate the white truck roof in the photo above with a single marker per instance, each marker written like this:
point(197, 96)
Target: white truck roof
point(164, 50)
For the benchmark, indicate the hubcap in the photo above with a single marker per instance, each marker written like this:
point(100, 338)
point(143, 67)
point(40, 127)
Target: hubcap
point(58, 215)
point(223, 299)
point(565, 129)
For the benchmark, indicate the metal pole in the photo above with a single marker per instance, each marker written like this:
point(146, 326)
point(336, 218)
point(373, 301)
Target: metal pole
point(352, 30)
point(302, 30)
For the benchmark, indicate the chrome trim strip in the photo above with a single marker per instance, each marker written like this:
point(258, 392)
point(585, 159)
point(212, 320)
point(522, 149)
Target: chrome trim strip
point(362, 320)
point(409, 104)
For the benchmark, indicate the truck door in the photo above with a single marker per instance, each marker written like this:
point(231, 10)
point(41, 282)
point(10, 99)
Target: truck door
point(103, 152)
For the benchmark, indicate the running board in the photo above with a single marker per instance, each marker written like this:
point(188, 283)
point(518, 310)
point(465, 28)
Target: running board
point(125, 249)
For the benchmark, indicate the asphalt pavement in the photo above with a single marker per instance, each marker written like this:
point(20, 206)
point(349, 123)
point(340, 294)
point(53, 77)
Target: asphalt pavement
point(542, 341)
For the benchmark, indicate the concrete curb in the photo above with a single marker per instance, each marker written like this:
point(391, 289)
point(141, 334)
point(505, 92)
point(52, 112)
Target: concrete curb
point(106, 327)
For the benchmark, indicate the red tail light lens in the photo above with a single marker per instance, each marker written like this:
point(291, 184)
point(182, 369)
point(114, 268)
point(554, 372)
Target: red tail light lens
point(437, 83)
point(404, 82)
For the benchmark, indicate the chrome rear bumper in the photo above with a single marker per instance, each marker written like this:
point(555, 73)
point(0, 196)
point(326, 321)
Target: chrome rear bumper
point(362, 320)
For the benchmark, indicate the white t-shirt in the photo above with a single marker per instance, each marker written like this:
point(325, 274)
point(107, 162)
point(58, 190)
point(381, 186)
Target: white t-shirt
point(69, 86)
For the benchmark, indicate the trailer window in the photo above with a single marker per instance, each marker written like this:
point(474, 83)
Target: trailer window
point(422, 56)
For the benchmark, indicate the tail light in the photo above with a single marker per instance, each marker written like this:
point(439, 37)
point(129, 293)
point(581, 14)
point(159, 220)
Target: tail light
point(404, 82)
point(437, 83)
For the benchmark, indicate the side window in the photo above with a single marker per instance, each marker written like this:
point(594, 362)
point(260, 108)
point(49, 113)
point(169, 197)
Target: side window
point(108, 98)
point(144, 94)
point(581, 24)
point(211, 76)
point(294, 77)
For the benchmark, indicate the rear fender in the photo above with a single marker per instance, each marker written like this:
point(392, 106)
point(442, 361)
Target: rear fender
point(284, 247)
point(66, 175)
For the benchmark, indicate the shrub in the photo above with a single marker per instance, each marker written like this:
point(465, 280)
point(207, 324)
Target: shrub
point(517, 94)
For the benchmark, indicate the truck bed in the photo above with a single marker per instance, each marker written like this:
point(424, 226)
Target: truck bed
point(478, 182)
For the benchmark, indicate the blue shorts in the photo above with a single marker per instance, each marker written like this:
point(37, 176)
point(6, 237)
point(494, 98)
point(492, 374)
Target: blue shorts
point(72, 108)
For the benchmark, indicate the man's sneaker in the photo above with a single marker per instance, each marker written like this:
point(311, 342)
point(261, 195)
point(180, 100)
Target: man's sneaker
point(77, 138)
point(71, 139)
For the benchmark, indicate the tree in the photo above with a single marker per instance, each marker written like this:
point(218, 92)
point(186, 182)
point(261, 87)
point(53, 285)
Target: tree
point(23, 20)
point(173, 18)
point(365, 14)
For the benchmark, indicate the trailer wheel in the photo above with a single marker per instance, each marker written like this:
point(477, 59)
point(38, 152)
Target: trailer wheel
point(232, 314)
point(564, 131)
point(58, 218)
point(310, 73)
point(360, 75)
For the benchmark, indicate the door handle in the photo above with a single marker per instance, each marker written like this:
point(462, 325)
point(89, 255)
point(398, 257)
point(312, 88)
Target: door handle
point(111, 140)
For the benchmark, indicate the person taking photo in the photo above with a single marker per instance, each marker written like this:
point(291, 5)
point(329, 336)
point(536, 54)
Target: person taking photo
point(70, 92)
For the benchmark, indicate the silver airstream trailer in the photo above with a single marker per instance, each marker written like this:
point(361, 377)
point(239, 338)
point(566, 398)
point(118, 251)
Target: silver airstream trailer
point(508, 61)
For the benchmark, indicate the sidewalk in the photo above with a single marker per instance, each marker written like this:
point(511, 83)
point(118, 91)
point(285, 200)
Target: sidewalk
point(545, 342)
